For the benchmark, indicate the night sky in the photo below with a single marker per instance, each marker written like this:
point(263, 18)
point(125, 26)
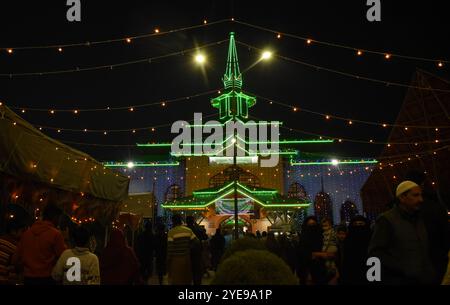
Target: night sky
point(409, 28)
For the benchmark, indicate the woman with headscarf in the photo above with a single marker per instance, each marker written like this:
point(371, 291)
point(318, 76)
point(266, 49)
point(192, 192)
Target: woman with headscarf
point(118, 262)
point(355, 248)
point(310, 240)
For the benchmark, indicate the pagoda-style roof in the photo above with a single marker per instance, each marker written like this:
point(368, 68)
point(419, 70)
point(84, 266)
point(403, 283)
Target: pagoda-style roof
point(266, 198)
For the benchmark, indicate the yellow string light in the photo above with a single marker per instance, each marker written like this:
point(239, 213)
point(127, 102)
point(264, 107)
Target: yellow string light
point(110, 41)
point(335, 45)
point(111, 66)
point(343, 73)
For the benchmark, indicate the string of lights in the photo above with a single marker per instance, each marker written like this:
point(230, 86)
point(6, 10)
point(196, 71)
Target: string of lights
point(147, 60)
point(357, 51)
point(77, 111)
point(126, 39)
point(340, 140)
point(349, 121)
point(415, 154)
point(107, 131)
point(153, 129)
point(342, 73)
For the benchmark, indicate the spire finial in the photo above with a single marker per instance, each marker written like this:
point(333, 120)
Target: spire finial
point(233, 77)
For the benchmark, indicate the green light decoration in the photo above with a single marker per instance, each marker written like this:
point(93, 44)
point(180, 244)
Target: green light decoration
point(230, 160)
point(224, 124)
point(243, 190)
point(289, 142)
point(274, 205)
point(233, 103)
point(333, 162)
point(233, 77)
point(252, 197)
point(154, 145)
point(283, 142)
point(229, 185)
point(213, 192)
point(197, 206)
point(257, 192)
point(140, 164)
point(231, 222)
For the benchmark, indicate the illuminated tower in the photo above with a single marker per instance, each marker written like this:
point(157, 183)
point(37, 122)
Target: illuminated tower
point(233, 103)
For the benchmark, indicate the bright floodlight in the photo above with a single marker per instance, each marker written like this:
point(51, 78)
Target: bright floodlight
point(334, 162)
point(266, 55)
point(130, 164)
point(200, 58)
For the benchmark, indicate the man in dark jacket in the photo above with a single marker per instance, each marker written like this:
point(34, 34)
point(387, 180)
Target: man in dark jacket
point(435, 216)
point(196, 250)
point(400, 240)
point(144, 251)
point(217, 245)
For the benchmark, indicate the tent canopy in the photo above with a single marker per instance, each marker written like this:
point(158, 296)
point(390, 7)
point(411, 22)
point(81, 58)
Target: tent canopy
point(28, 154)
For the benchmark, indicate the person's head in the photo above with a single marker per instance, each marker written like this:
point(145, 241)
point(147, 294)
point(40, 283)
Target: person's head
point(311, 221)
point(341, 233)
point(160, 228)
point(218, 231)
point(177, 220)
point(258, 234)
point(326, 224)
point(190, 221)
point(15, 228)
point(359, 221)
point(81, 236)
point(264, 234)
point(409, 195)
point(148, 226)
point(52, 213)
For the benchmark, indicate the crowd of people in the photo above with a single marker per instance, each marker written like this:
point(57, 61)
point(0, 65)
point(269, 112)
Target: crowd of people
point(411, 241)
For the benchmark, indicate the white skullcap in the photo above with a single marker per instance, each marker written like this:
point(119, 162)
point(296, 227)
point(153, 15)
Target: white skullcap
point(404, 187)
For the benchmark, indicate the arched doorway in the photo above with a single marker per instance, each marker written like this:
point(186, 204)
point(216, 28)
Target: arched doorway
point(227, 224)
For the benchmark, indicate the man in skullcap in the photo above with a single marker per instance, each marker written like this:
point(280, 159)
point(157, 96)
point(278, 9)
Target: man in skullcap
point(400, 240)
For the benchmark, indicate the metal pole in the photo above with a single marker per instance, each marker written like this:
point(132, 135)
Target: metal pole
point(235, 178)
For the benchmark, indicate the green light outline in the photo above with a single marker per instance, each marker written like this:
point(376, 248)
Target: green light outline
point(196, 205)
point(331, 163)
point(230, 184)
point(275, 205)
point(287, 142)
point(119, 164)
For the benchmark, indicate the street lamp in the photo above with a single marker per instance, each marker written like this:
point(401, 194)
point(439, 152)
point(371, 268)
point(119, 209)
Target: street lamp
point(200, 58)
point(266, 55)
